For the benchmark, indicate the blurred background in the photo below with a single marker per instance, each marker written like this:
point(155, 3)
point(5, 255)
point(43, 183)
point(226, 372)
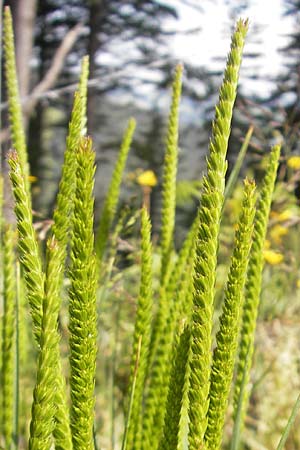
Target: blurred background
point(134, 46)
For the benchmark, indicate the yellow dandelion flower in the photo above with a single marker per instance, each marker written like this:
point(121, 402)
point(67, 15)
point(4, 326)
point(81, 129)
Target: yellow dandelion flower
point(294, 162)
point(272, 257)
point(277, 232)
point(298, 283)
point(147, 178)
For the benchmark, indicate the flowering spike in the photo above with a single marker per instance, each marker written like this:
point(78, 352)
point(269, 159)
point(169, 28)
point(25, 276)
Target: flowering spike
point(206, 248)
point(253, 281)
point(8, 334)
point(141, 331)
point(227, 336)
point(110, 204)
point(169, 177)
point(82, 305)
point(14, 103)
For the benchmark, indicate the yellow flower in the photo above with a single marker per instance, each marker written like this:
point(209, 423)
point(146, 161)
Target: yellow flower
point(267, 244)
point(147, 178)
point(272, 257)
point(32, 179)
point(294, 162)
point(298, 283)
point(276, 233)
point(285, 215)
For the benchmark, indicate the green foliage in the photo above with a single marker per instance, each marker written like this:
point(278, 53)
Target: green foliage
point(177, 388)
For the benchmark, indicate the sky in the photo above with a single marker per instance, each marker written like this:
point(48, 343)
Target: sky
point(213, 39)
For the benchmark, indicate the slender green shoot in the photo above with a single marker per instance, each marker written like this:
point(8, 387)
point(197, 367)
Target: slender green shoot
point(289, 424)
point(227, 336)
point(171, 434)
point(212, 199)
point(132, 394)
point(82, 305)
point(110, 204)
point(8, 336)
point(44, 405)
point(27, 243)
point(169, 177)
point(14, 103)
point(254, 278)
point(142, 331)
point(238, 419)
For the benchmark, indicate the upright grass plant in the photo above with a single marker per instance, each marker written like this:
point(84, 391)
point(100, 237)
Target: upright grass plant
point(178, 389)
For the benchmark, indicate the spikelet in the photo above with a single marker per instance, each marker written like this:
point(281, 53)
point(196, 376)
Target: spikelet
point(253, 281)
point(111, 200)
point(27, 244)
point(141, 331)
point(14, 103)
point(8, 335)
point(82, 305)
point(227, 336)
point(171, 433)
point(45, 392)
point(207, 243)
point(169, 177)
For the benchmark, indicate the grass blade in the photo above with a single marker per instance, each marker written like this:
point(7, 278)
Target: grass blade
point(289, 424)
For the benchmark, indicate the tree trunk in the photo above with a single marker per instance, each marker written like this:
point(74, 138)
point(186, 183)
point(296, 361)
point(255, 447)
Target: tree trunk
point(24, 14)
point(97, 8)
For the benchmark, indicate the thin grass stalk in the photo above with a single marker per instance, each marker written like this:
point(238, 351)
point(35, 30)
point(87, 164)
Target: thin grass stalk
point(111, 200)
point(8, 335)
point(14, 103)
point(82, 305)
point(227, 336)
point(254, 279)
point(207, 243)
point(171, 433)
point(169, 177)
point(289, 424)
point(44, 397)
point(142, 331)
